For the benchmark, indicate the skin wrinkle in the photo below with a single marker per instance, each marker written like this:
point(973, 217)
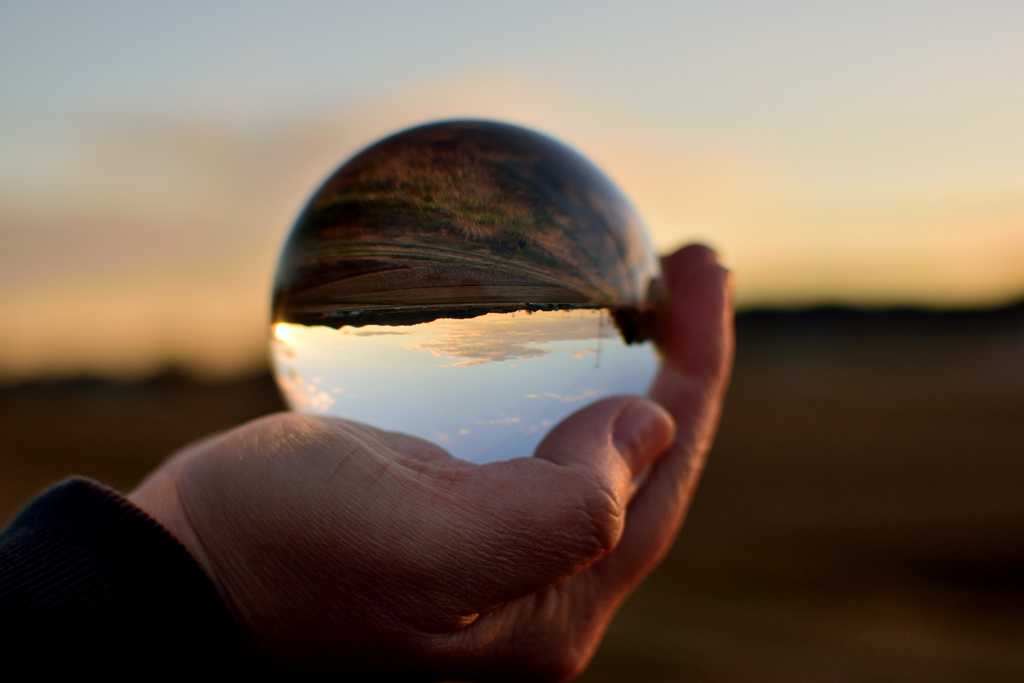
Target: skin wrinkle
point(235, 605)
point(585, 514)
point(365, 580)
point(604, 512)
point(550, 660)
point(389, 467)
point(378, 470)
point(284, 435)
point(601, 521)
point(435, 586)
point(500, 552)
point(422, 457)
point(445, 484)
point(417, 579)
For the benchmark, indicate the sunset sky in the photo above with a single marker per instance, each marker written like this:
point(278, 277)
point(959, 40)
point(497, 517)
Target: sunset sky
point(154, 155)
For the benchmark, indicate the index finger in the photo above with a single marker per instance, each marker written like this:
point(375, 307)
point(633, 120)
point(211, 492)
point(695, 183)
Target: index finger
point(696, 328)
point(698, 346)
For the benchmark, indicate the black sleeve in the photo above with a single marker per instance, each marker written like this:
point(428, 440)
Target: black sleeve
point(89, 581)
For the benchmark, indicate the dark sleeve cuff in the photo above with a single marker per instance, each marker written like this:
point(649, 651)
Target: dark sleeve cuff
point(88, 580)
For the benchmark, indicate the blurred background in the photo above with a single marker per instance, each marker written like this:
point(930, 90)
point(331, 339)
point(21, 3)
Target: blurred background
point(860, 167)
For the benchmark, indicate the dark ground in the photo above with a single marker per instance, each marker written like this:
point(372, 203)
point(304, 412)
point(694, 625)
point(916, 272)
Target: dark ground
point(861, 517)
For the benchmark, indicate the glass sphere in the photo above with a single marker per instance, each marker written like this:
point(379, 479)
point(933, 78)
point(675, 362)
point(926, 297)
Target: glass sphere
point(468, 282)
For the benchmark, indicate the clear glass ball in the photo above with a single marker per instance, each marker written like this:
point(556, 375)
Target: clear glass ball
point(468, 282)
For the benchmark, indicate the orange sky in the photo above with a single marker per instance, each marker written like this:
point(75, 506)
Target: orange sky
point(141, 210)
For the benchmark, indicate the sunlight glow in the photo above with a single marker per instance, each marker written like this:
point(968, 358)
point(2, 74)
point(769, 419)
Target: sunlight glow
point(282, 332)
point(145, 189)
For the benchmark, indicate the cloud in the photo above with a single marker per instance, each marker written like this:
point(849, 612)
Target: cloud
point(304, 396)
point(498, 337)
point(501, 421)
point(571, 398)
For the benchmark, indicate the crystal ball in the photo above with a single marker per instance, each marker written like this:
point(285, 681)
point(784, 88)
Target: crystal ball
point(468, 282)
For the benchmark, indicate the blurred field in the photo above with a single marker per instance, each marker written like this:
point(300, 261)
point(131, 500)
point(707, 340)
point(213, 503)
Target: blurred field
point(861, 518)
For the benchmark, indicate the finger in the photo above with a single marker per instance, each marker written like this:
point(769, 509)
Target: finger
point(638, 429)
point(539, 520)
point(691, 384)
point(697, 323)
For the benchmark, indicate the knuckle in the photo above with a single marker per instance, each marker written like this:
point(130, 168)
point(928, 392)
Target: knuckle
point(601, 516)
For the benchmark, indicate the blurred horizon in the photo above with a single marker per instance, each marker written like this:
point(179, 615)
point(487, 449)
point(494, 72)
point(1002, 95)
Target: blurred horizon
point(152, 160)
point(859, 518)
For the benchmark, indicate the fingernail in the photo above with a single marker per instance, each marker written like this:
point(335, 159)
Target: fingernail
point(713, 253)
point(709, 251)
point(643, 430)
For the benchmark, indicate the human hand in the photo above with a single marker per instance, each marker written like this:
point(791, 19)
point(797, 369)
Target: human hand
point(340, 547)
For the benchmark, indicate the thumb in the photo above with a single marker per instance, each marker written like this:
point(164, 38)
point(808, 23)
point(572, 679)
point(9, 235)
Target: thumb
point(637, 430)
point(543, 519)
